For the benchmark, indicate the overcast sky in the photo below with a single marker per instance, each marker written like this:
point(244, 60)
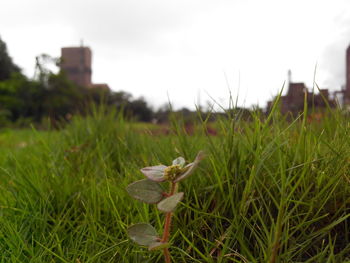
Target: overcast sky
point(184, 48)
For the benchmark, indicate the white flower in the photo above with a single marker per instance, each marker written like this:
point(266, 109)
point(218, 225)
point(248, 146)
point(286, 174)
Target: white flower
point(175, 172)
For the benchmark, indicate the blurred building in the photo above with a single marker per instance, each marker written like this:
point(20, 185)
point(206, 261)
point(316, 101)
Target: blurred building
point(346, 91)
point(298, 93)
point(293, 101)
point(76, 64)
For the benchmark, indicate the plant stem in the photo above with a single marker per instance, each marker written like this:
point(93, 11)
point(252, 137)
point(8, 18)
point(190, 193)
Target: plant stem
point(166, 255)
point(167, 224)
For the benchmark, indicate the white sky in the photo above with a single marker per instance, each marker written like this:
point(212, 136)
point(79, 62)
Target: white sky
point(185, 48)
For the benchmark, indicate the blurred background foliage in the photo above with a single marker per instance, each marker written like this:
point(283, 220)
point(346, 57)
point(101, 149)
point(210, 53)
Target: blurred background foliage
point(54, 95)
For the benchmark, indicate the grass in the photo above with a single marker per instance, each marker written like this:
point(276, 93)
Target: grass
point(270, 190)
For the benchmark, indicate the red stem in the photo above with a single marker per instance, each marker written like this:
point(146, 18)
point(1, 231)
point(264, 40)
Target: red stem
point(167, 224)
point(166, 255)
point(166, 233)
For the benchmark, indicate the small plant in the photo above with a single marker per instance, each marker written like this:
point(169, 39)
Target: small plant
point(151, 191)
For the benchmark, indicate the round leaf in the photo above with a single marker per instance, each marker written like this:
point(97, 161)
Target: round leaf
point(146, 191)
point(169, 204)
point(143, 234)
point(154, 173)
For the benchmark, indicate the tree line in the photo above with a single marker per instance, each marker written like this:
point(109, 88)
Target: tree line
point(54, 96)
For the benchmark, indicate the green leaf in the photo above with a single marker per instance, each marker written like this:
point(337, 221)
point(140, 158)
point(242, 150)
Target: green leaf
point(179, 161)
point(188, 169)
point(169, 204)
point(158, 246)
point(143, 234)
point(155, 173)
point(146, 191)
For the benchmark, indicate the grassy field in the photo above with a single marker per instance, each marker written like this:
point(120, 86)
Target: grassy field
point(269, 190)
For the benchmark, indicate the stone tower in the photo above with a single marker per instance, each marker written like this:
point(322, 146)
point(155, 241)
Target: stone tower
point(76, 63)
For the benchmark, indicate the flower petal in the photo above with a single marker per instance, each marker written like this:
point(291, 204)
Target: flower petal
point(179, 161)
point(190, 167)
point(154, 173)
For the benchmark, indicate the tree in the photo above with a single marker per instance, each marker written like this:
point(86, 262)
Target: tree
point(22, 97)
point(7, 67)
point(138, 108)
point(62, 97)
